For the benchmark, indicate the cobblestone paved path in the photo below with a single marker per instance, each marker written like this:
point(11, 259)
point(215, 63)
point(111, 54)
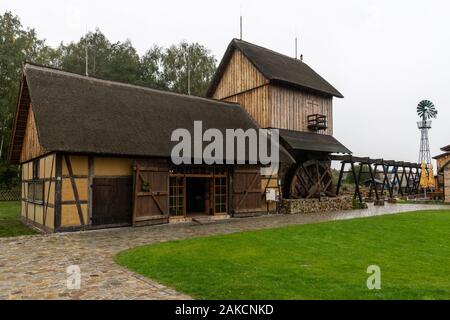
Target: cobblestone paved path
point(34, 267)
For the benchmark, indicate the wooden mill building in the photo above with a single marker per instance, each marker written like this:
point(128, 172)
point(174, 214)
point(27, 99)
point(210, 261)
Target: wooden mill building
point(443, 170)
point(282, 92)
point(96, 153)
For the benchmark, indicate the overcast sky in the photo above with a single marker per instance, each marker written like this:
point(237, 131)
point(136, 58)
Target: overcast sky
point(384, 56)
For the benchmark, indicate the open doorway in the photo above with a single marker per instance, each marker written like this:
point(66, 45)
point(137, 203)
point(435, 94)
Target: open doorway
point(198, 196)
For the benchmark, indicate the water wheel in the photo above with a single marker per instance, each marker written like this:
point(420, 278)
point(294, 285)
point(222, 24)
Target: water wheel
point(311, 179)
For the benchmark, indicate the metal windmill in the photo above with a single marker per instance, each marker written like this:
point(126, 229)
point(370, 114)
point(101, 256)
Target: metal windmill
point(426, 111)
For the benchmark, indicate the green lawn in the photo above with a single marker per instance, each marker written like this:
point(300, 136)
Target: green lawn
point(10, 224)
point(317, 261)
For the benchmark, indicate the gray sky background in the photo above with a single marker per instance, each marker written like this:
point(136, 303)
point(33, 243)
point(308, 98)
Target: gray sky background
point(384, 56)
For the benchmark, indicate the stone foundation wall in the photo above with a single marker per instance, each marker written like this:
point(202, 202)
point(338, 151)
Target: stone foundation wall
point(291, 206)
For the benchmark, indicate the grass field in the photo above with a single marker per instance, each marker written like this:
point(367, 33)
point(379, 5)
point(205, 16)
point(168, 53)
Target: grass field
point(317, 261)
point(10, 224)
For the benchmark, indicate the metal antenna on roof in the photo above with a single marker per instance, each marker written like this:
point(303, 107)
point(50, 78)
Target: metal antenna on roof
point(87, 54)
point(187, 57)
point(296, 47)
point(240, 27)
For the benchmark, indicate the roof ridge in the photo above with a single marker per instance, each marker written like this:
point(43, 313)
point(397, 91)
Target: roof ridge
point(271, 50)
point(124, 84)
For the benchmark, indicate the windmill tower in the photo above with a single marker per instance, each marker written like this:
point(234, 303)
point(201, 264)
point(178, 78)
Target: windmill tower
point(426, 111)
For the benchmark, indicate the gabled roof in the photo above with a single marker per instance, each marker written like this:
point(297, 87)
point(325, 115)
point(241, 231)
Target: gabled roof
point(441, 155)
point(446, 148)
point(310, 141)
point(275, 67)
point(74, 113)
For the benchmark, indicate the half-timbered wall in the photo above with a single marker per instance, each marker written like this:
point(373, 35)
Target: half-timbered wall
point(38, 192)
point(78, 176)
point(74, 191)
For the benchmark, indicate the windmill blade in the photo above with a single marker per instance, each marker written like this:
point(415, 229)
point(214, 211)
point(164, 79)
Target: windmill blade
point(426, 109)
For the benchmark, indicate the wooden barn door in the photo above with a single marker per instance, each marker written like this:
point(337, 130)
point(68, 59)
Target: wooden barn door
point(151, 188)
point(112, 201)
point(246, 190)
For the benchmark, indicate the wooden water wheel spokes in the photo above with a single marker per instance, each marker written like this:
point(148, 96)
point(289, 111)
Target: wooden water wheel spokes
point(312, 179)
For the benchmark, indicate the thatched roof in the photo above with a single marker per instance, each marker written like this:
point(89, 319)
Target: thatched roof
point(74, 113)
point(277, 68)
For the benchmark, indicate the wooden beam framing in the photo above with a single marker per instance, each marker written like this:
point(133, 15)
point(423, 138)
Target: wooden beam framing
point(58, 189)
point(74, 188)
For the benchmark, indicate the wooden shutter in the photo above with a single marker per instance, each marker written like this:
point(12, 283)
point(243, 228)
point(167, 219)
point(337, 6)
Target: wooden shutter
point(246, 190)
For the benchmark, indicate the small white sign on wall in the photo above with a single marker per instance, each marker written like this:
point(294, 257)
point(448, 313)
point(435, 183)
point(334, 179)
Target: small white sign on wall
point(271, 194)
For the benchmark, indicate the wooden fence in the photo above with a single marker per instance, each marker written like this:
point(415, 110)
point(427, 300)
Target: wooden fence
point(10, 195)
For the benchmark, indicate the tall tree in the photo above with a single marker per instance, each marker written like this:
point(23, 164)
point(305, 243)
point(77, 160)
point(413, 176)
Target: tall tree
point(188, 68)
point(17, 45)
point(151, 69)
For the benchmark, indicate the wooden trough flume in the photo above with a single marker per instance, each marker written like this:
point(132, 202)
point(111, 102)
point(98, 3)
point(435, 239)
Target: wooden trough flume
point(404, 178)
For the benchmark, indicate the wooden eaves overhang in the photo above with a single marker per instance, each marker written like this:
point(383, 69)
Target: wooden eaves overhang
point(20, 123)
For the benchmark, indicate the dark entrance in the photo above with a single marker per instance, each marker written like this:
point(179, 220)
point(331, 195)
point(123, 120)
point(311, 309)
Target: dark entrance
point(198, 195)
point(112, 201)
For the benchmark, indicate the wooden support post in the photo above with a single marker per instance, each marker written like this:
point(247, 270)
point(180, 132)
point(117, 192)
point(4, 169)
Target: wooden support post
point(357, 193)
point(386, 179)
point(400, 184)
point(338, 187)
point(136, 185)
point(374, 184)
point(359, 179)
point(417, 181)
point(48, 190)
point(391, 184)
point(91, 187)
point(408, 179)
point(58, 188)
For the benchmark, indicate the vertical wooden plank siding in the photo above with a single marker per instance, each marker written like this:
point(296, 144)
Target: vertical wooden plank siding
point(31, 148)
point(150, 206)
point(256, 103)
point(290, 109)
point(269, 104)
point(239, 76)
point(447, 184)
